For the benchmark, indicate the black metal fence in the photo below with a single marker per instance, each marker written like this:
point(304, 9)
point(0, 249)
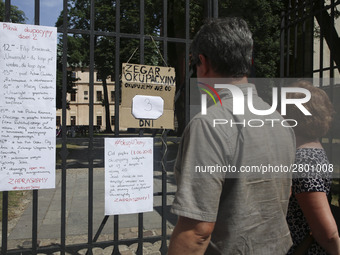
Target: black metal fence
point(211, 9)
point(303, 23)
point(309, 31)
point(310, 48)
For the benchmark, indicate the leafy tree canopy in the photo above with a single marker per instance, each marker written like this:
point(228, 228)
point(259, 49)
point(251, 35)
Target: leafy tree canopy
point(263, 17)
point(17, 16)
point(105, 20)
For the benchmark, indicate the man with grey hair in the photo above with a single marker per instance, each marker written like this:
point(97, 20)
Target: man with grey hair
point(223, 212)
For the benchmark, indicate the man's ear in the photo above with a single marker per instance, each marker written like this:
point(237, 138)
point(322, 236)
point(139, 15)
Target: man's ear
point(204, 66)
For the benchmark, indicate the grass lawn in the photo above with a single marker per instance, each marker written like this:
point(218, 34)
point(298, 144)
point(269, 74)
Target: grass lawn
point(69, 146)
point(15, 199)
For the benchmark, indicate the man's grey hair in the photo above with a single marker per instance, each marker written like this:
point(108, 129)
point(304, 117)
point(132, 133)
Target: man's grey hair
point(227, 44)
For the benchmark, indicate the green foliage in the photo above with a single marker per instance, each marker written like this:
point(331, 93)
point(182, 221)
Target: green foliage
point(17, 16)
point(263, 18)
point(105, 20)
point(104, 49)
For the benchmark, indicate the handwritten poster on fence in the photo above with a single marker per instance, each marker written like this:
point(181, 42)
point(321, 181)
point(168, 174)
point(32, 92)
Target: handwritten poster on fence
point(128, 175)
point(148, 94)
point(27, 106)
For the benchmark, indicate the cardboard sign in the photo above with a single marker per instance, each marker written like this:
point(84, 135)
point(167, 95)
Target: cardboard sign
point(27, 106)
point(155, 88)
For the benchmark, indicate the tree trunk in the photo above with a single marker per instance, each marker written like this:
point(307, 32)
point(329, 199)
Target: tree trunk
point(176, 57)
point(329, 32)
point(107, 107)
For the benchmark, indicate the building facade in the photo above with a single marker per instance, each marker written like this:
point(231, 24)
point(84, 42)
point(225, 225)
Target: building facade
point(78, 114)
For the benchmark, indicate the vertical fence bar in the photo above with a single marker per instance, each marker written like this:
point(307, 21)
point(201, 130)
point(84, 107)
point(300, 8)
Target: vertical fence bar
point(215, 8)
point(91, 129)
point(141, 31)
point(64, 127)
point(288, 38)
point(7, 10)
point(331, 59)
point(321, 7)
point(296, 17)
point(187, 52)
point(311, 39)
point(116, 235)
point(4, 222)
point(117, 102)
point(163, 249)
point(282, 53)
point(141, 59)
point(282, 45)
point(36, 12)
point(117, 80)
point(165, 30)
point(35, 192)
point(208, 8)
point(5, 193)
point(35, 222)
point(303, 38)
point(331, 75)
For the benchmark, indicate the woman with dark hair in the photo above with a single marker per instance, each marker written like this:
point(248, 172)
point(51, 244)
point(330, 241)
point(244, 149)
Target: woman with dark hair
point(309, 215)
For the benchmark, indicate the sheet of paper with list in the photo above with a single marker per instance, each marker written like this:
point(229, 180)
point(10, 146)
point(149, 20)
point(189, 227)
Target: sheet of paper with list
point(128, 175)
point(27, 106)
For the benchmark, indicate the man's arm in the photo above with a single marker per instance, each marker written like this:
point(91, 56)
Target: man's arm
point(190, 236)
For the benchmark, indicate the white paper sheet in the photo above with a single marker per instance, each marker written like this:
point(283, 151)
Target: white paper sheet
point(128, 175)
point(27, 106)
point(147, 107)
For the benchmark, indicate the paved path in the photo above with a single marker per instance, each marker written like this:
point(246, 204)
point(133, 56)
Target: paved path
point(49, 214)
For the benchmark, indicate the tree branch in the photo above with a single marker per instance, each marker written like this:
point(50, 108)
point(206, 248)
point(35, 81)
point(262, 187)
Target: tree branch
point(329, 32)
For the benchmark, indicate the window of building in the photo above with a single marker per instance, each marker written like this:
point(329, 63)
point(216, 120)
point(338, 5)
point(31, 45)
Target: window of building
point(73, 120)
point(86, 95)
point(112, 96)
point(73, 96)
point(99, 96)
point(99, 78)
point(112, 120)
point(58, 121)
point(99, 120)
point(73, 75)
